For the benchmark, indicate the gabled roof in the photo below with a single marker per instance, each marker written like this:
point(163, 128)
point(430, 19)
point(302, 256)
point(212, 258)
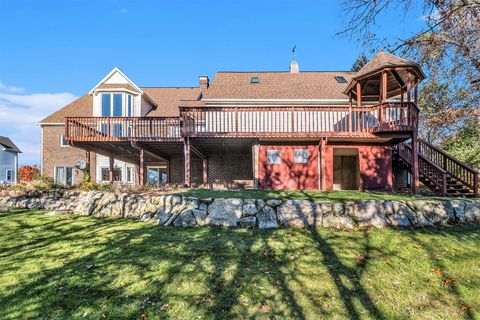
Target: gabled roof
point(312, 85)
point(9, 145)
point(167, 100)
point(114, 71)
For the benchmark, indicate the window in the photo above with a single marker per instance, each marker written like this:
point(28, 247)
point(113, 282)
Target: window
point(63, 141)
point(129, 174)
point(117, 174)
point(273, 157)
point(117, 105)
point(9, 175)
point(254, 80)
point(129, 105)
point(341, 79)
point(301, 155)
point(64, 176)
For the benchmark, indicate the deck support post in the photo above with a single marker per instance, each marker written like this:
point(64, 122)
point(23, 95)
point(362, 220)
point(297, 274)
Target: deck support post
point(350, 117)
point(88, 160)
point(141, 169)
point(415, 173)
point(323, 167)
point(168, 171)
point(255, 154)
point(111, 161)
point(205, 172)
point(186, 151)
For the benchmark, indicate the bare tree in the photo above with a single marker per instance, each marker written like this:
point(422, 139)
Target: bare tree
point(447, 47)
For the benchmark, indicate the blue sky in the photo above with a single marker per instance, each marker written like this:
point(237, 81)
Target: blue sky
point(54, 51)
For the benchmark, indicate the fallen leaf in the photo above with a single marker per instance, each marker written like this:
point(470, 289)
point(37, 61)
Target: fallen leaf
point(447, 281)
point(388, 261)
point(292, 258)
point(438, 272)
point(360, 257)
point(464, 307)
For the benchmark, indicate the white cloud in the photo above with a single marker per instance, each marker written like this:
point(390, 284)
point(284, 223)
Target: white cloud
point(123, 10)
point(13, 89)
point(19, 117)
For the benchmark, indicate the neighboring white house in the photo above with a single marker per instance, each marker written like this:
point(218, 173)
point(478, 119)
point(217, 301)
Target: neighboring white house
point(8, 161)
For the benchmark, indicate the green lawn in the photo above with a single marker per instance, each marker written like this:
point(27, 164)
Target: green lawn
point(303, 195)
point(63, 267)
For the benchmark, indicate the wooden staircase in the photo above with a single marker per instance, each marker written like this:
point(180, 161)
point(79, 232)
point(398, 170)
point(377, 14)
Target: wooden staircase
point(439, 171)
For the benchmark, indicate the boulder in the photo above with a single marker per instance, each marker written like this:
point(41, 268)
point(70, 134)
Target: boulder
point(274, 203)
point(337, 221)
point(459, 210)
point(200, 216)
point(248, 222)
point(369, 213)
point(185, 219)
point(249, 207)
point(267, 219)
point(472, 211)
point(161, 217)
point(399, 220)
point(437, 212)
point(225, 212)
point(299, 213)
point(57, 212)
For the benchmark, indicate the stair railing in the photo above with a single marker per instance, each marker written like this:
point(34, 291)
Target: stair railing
point(457, 169)
point(427, 169)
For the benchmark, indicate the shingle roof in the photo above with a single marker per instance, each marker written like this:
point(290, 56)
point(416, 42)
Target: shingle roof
point(82, 107)
point(278, 85)
point(167, 100)
point(382, 60)
point(9, 145)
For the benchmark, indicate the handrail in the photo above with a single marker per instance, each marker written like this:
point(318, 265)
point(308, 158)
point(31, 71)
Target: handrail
point(426, 167)
point(457, 169)
point(122, 128)
point(276, 121)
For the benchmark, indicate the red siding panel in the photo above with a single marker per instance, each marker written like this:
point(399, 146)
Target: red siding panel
point(288, 175)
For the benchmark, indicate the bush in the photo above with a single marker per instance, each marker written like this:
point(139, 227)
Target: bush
point(28, 173)
point(92, 186)
point(43, 183)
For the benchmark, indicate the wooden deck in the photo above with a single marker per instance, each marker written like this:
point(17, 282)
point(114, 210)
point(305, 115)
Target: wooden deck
point(250, 122)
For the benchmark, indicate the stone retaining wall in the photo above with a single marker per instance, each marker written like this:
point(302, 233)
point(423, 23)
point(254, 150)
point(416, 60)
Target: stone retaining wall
point(181, 211)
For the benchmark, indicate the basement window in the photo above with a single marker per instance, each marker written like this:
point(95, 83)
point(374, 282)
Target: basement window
point(341, 79)
point(273, 157)
point(254, 80)
point(301, 155)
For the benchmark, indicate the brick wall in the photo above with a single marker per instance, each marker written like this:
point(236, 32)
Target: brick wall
point(223, 170)
point(55, 155)
point(401, 178)
point(230, 169)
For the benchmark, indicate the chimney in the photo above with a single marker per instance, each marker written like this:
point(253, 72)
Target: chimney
point(294, 67)
point(204, 83)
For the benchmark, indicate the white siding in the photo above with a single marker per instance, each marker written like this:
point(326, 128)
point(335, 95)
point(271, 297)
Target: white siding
point(103, 162)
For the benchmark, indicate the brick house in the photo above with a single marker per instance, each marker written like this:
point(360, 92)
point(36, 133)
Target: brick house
point(267, 130)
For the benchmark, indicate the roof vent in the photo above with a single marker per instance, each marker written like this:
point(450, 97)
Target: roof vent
point(341, 79)
point(254, 80)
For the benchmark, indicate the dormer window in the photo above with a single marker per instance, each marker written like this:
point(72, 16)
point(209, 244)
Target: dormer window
point(117, 105)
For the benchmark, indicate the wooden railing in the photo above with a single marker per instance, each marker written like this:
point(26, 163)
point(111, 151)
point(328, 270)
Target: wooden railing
point(256, 121)
point(457, 169)
point(434, 173)
point(251, 121)
point(122, 128)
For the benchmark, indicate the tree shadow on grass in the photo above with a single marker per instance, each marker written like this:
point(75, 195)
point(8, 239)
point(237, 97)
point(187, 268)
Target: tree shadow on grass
point(436, 262)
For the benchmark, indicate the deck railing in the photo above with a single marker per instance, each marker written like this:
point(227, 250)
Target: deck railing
point(255, 121)
point(122, 128)
point(251, 121)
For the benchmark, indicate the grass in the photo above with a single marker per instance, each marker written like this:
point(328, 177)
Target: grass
point(71, 267)
point(303, 195)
